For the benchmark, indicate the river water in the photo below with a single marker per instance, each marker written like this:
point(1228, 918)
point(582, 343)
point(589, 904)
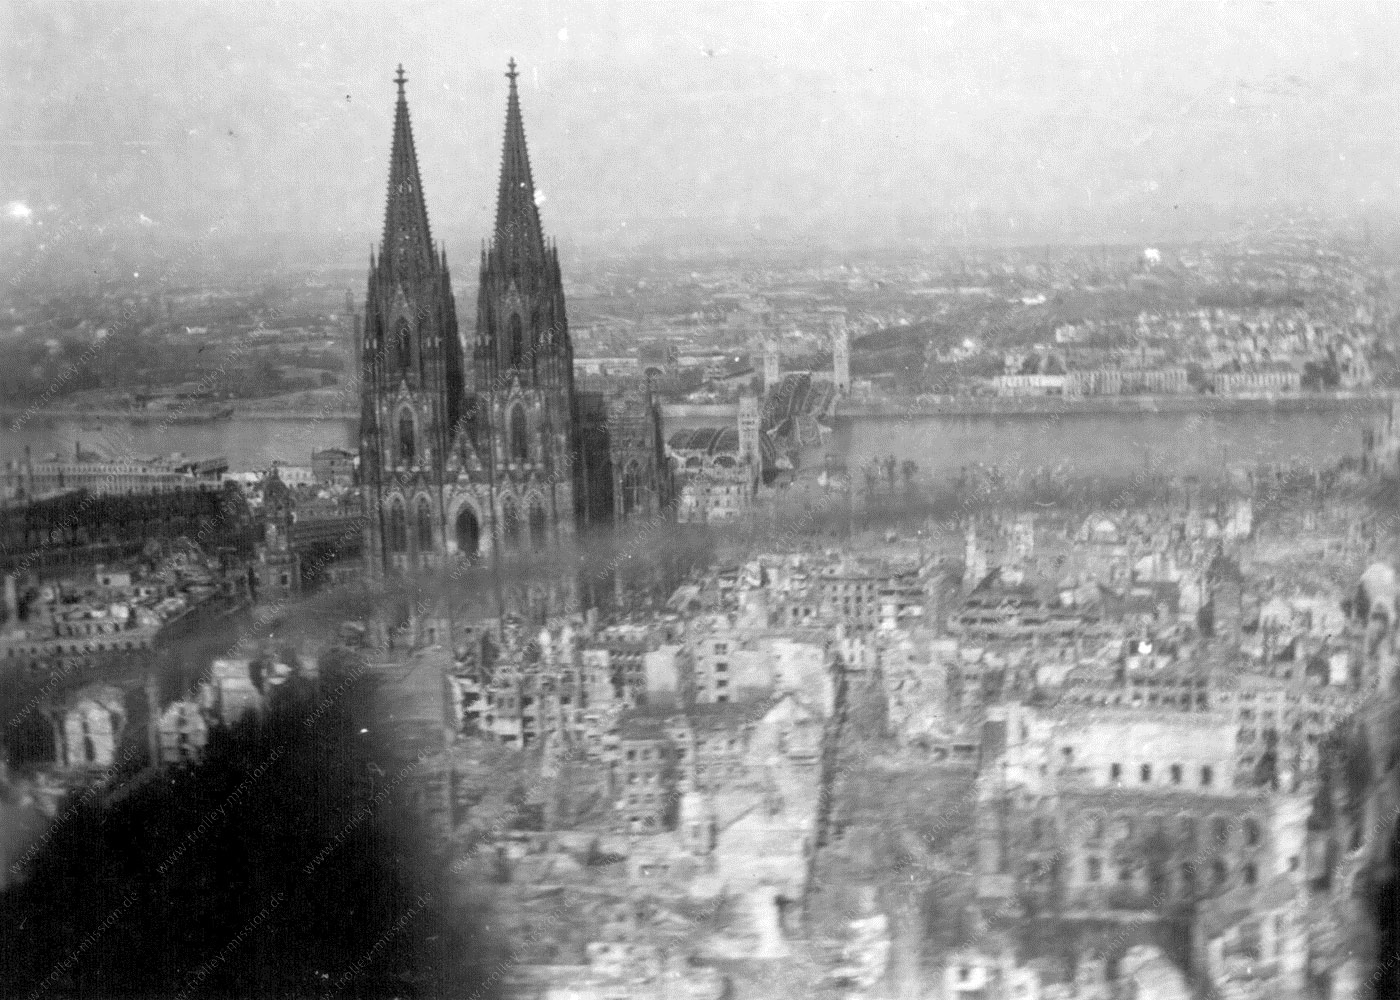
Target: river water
point(1201, 444)
point(1080, 444)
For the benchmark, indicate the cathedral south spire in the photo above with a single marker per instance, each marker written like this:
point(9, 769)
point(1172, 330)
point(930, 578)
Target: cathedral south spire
point(522, 332)
point(518, 233)
point(523, 360)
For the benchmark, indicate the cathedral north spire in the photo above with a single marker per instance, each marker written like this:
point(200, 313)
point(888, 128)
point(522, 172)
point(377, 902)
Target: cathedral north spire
point(408, 242)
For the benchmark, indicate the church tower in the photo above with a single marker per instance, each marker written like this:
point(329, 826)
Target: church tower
point(524, 363)
point(411, 374)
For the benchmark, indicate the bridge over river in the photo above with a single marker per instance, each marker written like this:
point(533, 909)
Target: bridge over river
point(1093, 436)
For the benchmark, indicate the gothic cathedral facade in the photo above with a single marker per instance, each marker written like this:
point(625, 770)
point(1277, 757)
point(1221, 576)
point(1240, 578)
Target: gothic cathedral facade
point(508, 457)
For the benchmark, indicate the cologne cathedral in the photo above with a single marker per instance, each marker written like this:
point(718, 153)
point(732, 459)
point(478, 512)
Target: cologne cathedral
point(482, 459)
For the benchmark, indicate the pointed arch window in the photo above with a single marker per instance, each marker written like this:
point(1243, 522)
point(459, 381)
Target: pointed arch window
point(425, 525)
point(519, 434)
point(403, 346)
point(398, 527)
point(515, 341)
point(407, 439)
point(538, 525)
point(468, 533)
point(510, 522)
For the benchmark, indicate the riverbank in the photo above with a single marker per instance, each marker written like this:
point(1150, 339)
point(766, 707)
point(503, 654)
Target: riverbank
point(246, 411)
point(885, 409)
point(309, 413)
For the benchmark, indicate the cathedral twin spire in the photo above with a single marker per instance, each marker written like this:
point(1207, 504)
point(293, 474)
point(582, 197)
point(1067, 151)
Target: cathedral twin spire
point(408, 241)
point(521, 326)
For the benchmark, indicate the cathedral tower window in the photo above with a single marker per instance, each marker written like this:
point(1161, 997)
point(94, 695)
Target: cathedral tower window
point(403, 346)
point(515, 340)
point(538, 529)
point(519, 435)
point(398, 528)
point(510, 521)
point(407, 443)
point(425, 525)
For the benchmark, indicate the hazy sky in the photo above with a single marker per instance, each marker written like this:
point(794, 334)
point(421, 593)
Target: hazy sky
point(841, 117)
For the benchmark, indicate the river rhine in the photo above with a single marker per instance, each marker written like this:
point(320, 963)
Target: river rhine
point(1077, 444)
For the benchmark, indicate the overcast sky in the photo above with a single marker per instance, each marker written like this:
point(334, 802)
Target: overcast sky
point(840, 117)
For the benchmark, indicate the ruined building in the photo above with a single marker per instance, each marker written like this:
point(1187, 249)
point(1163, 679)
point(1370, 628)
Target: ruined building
point(501, 455)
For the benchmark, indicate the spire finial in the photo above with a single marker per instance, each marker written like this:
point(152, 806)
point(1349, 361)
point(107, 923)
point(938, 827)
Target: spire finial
point(511, 73)
point(400, 79)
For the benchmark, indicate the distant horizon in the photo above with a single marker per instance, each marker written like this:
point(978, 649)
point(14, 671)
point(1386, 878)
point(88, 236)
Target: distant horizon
point(713, 241)
point(831, 123)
